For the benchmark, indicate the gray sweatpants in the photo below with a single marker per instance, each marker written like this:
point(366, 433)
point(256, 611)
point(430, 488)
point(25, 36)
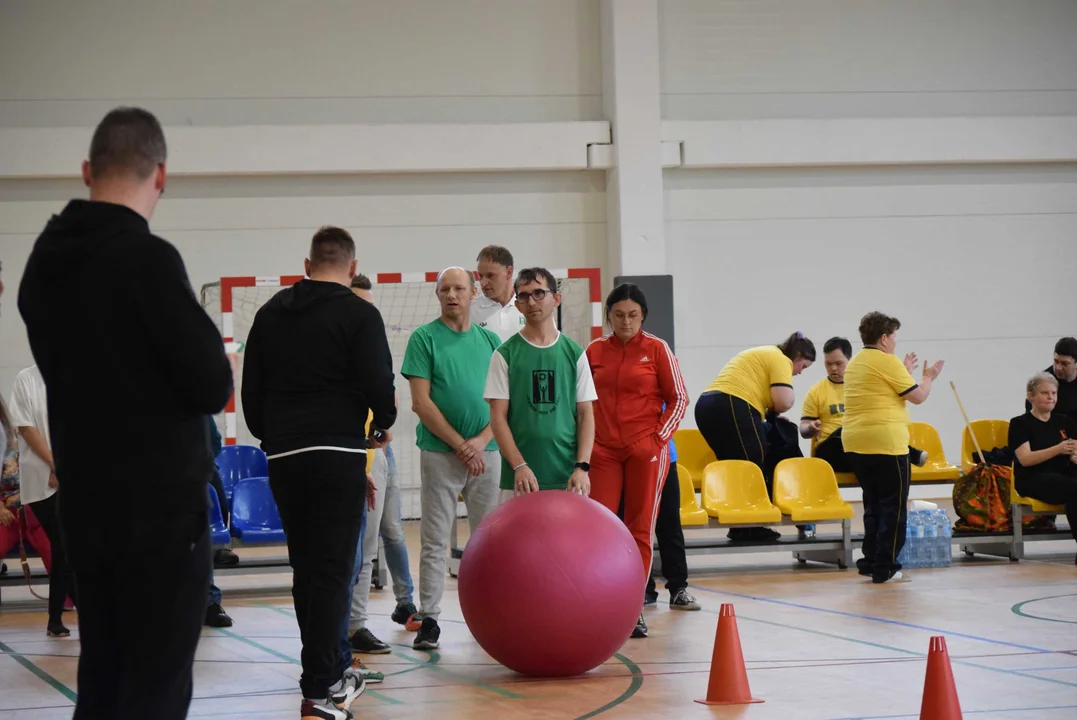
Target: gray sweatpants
point(443, 479)
point(379, 470)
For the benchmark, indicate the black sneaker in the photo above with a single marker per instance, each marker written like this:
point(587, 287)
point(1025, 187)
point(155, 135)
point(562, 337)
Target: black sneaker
point(216, 617)
point(683, 600)
point(428, 636)
point(363, 641)
point(650, 599)
point(403, 613)
point(640, 630)
point(57, 631)
point(327, 710)
point(224, 557)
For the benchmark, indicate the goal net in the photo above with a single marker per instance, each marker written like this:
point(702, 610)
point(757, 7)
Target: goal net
point(405, 301)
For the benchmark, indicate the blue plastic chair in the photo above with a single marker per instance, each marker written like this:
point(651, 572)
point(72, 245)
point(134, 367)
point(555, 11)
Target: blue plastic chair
point(237, 462)
point(218, 531)
point(255, 518)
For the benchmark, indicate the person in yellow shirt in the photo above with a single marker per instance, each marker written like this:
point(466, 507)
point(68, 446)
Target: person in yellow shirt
point(824, 408)
point(875, 437)
point(730, 413)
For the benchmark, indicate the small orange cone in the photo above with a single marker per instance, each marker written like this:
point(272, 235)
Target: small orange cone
point(940, 693)
point(728, 683)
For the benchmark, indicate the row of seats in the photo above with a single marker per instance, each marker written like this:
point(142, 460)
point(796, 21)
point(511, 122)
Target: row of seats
point(255, 518)
point(694, 454)
point(734, 493)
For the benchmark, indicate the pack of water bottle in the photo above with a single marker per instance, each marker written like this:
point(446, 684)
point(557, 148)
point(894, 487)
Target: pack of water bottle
point(928, 538)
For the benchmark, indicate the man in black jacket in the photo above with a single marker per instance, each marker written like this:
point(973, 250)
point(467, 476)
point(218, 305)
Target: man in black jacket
point(123, 344)
point(317, 363)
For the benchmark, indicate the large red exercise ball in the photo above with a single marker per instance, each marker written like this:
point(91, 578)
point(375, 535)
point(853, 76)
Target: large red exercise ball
point(551, 584)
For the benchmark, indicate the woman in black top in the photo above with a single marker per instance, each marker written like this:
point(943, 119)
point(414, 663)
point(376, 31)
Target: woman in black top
point(1044, 444)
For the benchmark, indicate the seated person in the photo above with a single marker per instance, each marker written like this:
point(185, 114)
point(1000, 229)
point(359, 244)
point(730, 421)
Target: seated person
point(1044, 444)
point(824, 406)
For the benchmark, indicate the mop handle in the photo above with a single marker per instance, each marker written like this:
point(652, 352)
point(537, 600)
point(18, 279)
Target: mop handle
point(968, 425)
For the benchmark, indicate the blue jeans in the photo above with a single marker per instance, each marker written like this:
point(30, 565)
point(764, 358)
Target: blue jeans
point(392, 535)
point(345, 646)
point(214, 591)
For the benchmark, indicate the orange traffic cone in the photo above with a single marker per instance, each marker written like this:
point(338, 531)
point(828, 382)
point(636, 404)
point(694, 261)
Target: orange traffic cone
point(728, 683)
point(940, 693)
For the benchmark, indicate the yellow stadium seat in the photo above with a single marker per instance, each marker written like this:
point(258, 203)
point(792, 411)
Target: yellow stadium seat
point(692, 515)
point(1038, 506)
point(847, 479)
point(735, 493)
point(989, 433)
point(806, 490)
point(938, 469)
point(693, 453)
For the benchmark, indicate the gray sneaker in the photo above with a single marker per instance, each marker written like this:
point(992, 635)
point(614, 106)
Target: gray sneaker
point(683, 600)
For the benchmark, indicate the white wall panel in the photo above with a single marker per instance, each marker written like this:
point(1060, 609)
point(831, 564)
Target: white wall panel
point(725, 59)
point(242, 62)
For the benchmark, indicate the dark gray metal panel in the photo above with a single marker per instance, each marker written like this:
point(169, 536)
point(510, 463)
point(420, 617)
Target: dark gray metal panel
point(659, 292)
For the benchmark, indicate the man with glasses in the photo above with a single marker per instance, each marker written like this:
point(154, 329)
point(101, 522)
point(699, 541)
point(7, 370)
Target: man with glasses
point(541, 392)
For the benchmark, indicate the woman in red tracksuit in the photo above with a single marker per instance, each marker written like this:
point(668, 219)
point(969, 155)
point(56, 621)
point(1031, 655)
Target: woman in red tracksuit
point(641, 400)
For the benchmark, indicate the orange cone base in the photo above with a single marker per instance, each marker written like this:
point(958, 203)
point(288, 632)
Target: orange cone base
point(730, 702)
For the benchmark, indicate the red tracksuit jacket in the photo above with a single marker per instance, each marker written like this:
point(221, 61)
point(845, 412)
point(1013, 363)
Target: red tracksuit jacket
point(633, 382)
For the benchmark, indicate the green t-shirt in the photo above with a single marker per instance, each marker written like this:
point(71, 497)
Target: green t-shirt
point(542, 385)
point(455, 363)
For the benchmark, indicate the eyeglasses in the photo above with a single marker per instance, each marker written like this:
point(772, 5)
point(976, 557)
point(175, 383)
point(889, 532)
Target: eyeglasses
point(536, 295)
point(621, 317)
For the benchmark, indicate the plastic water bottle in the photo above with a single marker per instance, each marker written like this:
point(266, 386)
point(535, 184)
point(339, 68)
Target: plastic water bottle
point(946, 541)
point(930, 557)
point(906, 549)
point(916, 541)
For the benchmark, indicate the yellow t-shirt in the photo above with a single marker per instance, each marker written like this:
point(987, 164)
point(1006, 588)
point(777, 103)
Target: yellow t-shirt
point(825, 402)
point(876, 418)
point(751, 374)
point(370, 451)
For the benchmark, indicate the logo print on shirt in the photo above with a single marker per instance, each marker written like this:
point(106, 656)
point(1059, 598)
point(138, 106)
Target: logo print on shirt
point(837, 409)
point(644, 359)
point(543, 391)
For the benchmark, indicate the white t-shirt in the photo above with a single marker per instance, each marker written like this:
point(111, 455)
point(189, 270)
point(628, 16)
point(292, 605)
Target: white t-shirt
point(497, 378)
point(505, 320)
point(29, 408)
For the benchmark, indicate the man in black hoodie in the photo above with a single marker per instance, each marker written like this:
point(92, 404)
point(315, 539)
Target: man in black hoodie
point(317, 364)
point(123, 344)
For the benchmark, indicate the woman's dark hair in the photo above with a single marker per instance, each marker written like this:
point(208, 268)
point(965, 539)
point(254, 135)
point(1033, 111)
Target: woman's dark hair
point(626, 291)
point(839, 343)
point(796, 345)
point(875, 324)
point(1067, 346)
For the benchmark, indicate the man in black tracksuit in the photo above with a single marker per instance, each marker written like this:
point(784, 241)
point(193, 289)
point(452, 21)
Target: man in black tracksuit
point(317, 362)
point(125, 349)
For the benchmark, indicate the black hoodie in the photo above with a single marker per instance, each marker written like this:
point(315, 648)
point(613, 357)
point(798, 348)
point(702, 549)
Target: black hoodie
point(131, 362)
point(317, 361)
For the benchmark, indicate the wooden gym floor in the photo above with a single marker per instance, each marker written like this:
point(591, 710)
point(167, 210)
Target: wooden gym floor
point(820, 644)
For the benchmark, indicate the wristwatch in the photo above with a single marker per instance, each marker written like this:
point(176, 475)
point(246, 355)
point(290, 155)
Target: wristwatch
point(586, 467)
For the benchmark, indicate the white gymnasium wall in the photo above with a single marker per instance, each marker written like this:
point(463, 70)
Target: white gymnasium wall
point(275, 62)
point(978, 261)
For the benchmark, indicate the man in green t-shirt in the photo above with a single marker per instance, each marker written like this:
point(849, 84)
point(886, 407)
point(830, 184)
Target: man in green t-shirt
point(541, 392)
point(445, 365)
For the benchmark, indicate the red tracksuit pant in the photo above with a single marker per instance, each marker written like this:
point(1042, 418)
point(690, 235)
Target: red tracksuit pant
point(637, 472)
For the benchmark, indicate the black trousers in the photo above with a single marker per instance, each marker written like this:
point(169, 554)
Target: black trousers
point(320, 496)
point(833, 452)
point(733, 428)
point(884, 480)
point(125, 674)
point(61, 582)
point(1053, 488)
point(670, 535)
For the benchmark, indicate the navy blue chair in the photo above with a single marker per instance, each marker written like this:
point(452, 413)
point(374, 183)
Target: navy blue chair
point(218, 531)
point(255, 518)
point(237, 462)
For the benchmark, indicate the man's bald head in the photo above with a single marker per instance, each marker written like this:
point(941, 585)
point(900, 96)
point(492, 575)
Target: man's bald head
point(458, 274)
point(456, 289)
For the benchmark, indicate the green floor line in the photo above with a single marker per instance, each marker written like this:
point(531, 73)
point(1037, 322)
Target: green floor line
point(49, 679)
point(293, 661)
point(1016, 609)
point(633, 688)
point(432, 665)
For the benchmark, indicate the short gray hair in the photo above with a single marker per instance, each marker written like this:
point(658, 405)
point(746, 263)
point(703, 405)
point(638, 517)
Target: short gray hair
point(1039, 379)
point(469, 273)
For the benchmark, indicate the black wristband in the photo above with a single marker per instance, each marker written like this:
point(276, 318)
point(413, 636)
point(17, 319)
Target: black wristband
point(586, 467)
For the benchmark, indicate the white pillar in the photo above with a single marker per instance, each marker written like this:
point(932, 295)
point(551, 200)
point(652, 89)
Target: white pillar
point(635, 219)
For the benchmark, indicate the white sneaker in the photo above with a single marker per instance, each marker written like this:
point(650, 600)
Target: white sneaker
point(349, 687)
point(328, 710)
